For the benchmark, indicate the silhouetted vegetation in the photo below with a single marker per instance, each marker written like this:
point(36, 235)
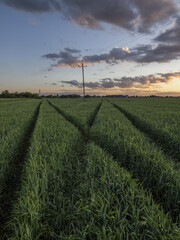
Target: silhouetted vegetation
point(7, 94)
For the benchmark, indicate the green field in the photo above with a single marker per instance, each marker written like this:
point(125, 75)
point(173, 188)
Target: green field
point(101, 169)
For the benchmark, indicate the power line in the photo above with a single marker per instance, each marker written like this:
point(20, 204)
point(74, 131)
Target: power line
point(82, 66)
point(141, 37)
point(147, 34)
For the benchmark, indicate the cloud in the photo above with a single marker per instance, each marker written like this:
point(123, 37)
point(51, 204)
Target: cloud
point(141, 54)
point(167, 48)
point(72, 83)
point(171, 35)
point(92, 85)
point(51, 56)
point(107, 83)
point(34, 6)
point(116, 54)
point(65, 58)
point(72, 50)
point(153, 11)
point(162, 53)
point(127, 82)
point(128, 14)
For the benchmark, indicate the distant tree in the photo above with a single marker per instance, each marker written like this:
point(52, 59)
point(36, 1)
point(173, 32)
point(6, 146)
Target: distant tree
point(6, 94)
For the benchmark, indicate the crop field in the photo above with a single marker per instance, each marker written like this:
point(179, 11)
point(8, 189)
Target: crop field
point(103, 168)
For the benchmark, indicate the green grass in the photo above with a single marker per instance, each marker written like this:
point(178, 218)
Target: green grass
point(134, 151)
point(5, 100)
point(51, 148)
point(159, 118)
point(79, 111)
point(110, 205)
point(73, 189)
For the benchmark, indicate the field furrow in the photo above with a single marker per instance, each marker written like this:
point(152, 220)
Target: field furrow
point(76, 121)
point(160, 124)
point(111, 205)
point(133, 151)
point(82, 170)
point(13, 151)
point(49, 175)
point(80, 114)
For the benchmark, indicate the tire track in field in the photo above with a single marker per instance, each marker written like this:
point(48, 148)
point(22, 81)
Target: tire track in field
point(175, 215)
point(12, 180)
point(159, 138)
point(88, 138)
point(81, 151)
point(90, 121)
point(68, 117)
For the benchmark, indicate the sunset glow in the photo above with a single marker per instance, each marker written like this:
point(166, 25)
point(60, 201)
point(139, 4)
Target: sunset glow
point(130, 48)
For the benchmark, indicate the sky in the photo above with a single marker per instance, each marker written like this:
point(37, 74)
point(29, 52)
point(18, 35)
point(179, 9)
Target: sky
point(130, 47)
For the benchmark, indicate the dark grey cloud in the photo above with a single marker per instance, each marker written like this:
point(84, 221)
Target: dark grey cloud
point(153, 11)
point(161, 53)
point(96, 58)
point(67, 57)
point(128, 14)
point(138, 81)
point(141, 54)
point(127, 82)
point(51, 56)
point(113, 56)
point(35, 6)
point(107, 83)
point(72, 50)
point(91, 13)
point(72, 83)
point(92, 85)
point(167, 49)
point(171, 35)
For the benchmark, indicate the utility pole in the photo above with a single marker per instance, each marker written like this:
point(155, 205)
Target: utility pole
point(82, 66)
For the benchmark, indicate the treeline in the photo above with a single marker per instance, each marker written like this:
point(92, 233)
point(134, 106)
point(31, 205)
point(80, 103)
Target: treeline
point(68, 96)
point(62, 96)
point(7, 94)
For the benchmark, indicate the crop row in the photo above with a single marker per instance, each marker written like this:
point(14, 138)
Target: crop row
point(135, 152)
point(71, 190)
point(159, 119)
point(79, 111)
point(161, 173)
point(15, 121)
point(48, 177)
